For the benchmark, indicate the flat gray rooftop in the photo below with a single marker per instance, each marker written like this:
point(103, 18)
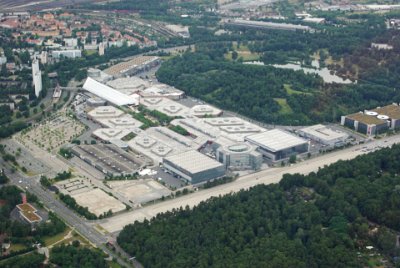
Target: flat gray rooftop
point(193, 161)
point(275, 140)
point(324, 133)
point(108, 158)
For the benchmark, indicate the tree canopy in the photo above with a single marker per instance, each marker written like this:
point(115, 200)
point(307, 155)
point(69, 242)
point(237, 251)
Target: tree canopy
point(319, 220)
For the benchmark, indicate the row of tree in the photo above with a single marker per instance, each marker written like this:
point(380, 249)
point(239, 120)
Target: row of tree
point(325, 219)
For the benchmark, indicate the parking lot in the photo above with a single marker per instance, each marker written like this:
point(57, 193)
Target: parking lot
point(169, 180)
point(109, 159)
point(25, 158)
point(51, 134)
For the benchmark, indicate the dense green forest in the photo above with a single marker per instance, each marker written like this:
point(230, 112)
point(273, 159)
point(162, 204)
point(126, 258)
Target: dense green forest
point(256, 91)
point(324, 219)
point(77, 256)
point(286, 97)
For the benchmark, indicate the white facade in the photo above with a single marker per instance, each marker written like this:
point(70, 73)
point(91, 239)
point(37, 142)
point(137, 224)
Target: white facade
point(71, 42)
point(37, 77)
point(74, 53)
point(44, 57)
point(3, 60)
point(102, 48)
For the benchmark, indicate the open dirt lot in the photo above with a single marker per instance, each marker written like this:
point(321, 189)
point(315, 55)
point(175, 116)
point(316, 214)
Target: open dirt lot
point(140, 191)
point(86, 194)
point(98, 202)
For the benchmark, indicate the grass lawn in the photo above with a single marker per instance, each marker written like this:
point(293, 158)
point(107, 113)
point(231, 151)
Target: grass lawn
point(90, 52)
point(291, 91)
point(17, 247)
point(113, 264)
point(285, 108)
point(49, 240)
point(244, 53)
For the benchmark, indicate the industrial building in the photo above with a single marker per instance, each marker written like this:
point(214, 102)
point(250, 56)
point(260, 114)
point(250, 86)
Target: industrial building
point(159, 142)
point(37, 77)
point(109, 94)
point(276, 145)
point(162, 91)
point(263, 25)
point(391, 113)
point(205, 111)
point(165, 106)
point(108, 158)
point(221, 130)
point(233, 128)
point(128, 85)
point(125, 121)
point(134, 66)
point(324, 135)
point(104, 112)
point(374, 122)
point(239, 156)
point(95, 102)
point(111, 135)
point(194, 166)
point(99, 75)
point(180, 30)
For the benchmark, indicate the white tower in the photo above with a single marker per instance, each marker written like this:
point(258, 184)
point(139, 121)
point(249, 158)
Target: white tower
point(37, 77)
point(101, 48)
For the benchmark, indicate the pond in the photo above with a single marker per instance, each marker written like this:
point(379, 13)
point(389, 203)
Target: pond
point(325, 73)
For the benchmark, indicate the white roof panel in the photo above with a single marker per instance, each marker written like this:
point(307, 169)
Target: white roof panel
point(193, 161)
point(324, 133)
point(109, 94)
point(275, 140)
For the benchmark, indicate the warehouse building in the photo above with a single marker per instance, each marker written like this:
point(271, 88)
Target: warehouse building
point(134, 66)
point(365, 122)
point(263, 25)
point(276, 145)
point(374, 122)
point(109, 94)
point(205, 111)
point(129, 85)
point(194, 166)
point(162, 91)
point(239, 156)
point(109, 134)
point(125, 122)
point(109, 159)
point(104, 112)
point(391, 112)
point(165, 106)
point(324, 135)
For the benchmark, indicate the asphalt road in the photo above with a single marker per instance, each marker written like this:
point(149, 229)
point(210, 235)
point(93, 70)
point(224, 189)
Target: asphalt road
point(268, 176)
point(78, 223)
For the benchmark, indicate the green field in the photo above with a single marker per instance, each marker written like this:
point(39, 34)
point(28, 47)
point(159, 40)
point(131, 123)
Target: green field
point(291, 91)
point(285, 108)
point(49, 240)
point(244, 53)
